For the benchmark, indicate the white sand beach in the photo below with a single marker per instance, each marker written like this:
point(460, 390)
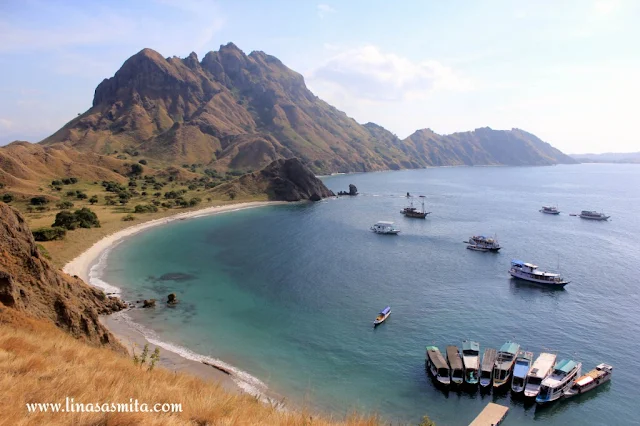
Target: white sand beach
point(121, 325)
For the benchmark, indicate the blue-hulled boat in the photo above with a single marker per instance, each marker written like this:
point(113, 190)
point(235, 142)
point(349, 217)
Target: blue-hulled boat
point(520, 371)
point(382, 316)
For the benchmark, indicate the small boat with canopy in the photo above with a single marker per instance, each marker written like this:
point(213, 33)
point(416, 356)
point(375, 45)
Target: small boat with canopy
point(437, 366)
point(382, 316)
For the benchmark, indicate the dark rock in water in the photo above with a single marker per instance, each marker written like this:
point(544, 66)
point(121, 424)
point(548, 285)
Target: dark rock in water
point(315, 197)
point(172, 299)
point(352, 190)
point(150, 303)
point(176, 276)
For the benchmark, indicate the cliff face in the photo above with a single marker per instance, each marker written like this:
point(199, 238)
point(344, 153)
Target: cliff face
point(30, 284)
point(238, 111)
point(282, 180)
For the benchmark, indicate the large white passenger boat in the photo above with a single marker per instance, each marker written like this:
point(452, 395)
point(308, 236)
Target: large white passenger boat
point(529, 272)
point(593, 215)
point(560, 380)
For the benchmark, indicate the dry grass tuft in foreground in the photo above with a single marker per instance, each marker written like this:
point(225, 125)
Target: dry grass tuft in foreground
point(39, 364)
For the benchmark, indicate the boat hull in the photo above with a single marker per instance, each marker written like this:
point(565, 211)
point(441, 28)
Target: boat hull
point(570, 392)
point(551, 284)
point(594, 218)
point(377, 322)
point(479, 248)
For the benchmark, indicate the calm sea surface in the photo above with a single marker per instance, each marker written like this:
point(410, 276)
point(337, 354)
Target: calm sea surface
point(288, 293)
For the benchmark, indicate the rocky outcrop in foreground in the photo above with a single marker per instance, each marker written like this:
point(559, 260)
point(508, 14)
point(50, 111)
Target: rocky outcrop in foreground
point(282, 180)
point(29, 283)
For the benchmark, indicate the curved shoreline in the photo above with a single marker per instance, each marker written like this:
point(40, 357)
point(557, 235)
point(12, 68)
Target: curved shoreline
point(134, 336)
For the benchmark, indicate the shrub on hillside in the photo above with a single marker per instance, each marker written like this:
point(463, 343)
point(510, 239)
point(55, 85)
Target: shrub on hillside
point(65, 205)
point(7, 198)
point(143, 162)
point(136, 169)
point(145, 208)
point(81, 195)
point(93, 199)
point(128, 218)
point(39, 201)
point(49, 234)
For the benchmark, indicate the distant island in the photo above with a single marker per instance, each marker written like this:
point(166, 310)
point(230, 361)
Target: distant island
point(609, 157)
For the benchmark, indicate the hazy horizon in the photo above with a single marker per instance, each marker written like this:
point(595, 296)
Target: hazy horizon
point(564, 71)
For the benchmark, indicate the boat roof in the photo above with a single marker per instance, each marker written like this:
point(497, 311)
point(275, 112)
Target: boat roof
point(453, 356)
point(566, 365)
point(489, 359)
point(384, 222)
point(436, 357)
point(386, 310)
point(470, 345)
point(517, 262)
point(510, 347)
point(542, 365)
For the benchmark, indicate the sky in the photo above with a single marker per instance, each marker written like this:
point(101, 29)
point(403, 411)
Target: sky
point(566, 70)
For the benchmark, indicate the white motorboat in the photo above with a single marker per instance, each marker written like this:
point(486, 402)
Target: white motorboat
point(542, 367)
point(482, 243)
point(384, 227)
point(594, 378)
point(529, 272)
point(560, 380)
point(382, 316)
point(549, 210)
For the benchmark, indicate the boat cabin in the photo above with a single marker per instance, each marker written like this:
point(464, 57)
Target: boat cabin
point(455, 362)
point(436, 363)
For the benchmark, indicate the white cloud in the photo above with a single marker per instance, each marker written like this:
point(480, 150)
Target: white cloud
point(369, 73)
point(324, 10)
point(5, 124)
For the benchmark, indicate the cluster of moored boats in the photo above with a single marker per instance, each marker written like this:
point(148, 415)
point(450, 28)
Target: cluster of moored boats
point(544, 379)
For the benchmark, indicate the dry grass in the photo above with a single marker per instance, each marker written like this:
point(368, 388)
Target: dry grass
point(39, 363)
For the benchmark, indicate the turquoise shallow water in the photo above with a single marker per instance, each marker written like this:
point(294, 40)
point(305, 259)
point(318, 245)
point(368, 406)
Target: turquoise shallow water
point(288, 293)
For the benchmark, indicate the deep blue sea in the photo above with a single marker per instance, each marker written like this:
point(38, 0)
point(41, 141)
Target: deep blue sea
point(288, 293)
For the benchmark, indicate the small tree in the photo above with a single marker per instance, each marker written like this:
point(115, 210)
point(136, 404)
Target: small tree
point(7, 198)
point(93, 200)
point(143, 162)
point(81, 195)
point(49, 234)
point(136, 169)
point(39, 201)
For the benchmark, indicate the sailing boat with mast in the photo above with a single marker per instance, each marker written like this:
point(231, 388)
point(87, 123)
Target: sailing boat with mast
point(412, 211)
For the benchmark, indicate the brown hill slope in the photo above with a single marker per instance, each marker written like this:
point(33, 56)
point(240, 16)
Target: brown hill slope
point(237, 111)
point(28, 283)
point(24, 166)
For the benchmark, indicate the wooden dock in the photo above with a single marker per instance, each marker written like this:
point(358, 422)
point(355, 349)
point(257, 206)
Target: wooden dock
point(492, 415)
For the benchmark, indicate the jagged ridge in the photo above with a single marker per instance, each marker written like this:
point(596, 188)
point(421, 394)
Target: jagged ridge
point(237, 111)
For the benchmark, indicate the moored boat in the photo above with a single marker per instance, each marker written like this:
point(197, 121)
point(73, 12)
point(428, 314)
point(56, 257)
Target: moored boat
point(554, 385)
point(482, 243)
point(530, 272)
point(549, 210)
point(593, 215)
point(455, 364)
point(520, 370)
point(412, 211)
point(594, 378)
point(382, 316)
point(384, 227)
point(541, 368)
point(470, 356)
point(488, 362)
point(437, 366)
point(504, 363)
